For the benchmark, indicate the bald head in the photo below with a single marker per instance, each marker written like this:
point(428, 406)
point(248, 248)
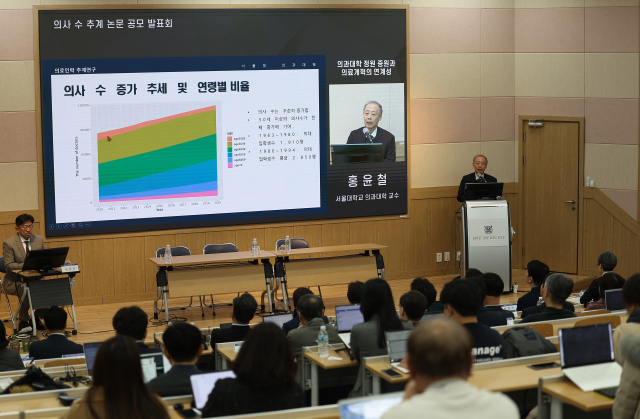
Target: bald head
point(440, 348)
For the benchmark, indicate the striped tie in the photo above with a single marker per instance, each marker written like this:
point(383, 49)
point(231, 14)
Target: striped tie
point(26, 243)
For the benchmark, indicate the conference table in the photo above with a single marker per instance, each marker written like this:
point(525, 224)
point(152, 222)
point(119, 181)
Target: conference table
point(229, 273)
point(560, 391)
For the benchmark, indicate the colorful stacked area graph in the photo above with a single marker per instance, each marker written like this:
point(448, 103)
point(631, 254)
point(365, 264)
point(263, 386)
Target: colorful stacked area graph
point(171, 157)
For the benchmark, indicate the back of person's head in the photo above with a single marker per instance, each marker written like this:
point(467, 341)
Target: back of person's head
point(131, 321)
point(538, 271)
point(414, 304)
point(298, 293)
point(440, 348)
point(310, 306)
point(493, 283)
point(377, 300)
point(55, 318)
point(354, 292)
point(610, 281)
point(476, 280)
point(23, 219)
point(183, 342)
point(559, 286)
point(266, 358)
point(426, 288)
point(463, 295)
point(472, 273)
point(244, 308)
point(631, 291)
point(608, 261)
point(117, 371)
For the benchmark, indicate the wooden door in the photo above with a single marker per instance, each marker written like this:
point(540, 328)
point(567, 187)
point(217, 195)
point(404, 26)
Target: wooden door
point(551, 181)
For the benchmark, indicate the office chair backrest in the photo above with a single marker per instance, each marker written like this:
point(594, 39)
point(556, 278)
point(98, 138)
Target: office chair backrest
point(219, 248)
point(175, 251)
point(297, 243)
point(2, 268)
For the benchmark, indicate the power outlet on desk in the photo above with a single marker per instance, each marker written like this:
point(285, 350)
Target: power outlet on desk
point(438, 257)
point(447, 256)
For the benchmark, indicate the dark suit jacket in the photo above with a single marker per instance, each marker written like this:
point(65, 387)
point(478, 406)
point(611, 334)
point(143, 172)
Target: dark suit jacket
point(54, 347)
point(234, 333)
point(592, 293)
point(295, 322)
point(471, 178)
point(14, 254)
point(144, 349)
point(382, 136)
point(539, 309)
point(176, 382)
point(493, 316)
point(530, 299)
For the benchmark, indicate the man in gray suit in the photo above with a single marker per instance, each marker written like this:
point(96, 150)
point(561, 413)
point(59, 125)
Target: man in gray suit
point(14, 251)
point(310, 309)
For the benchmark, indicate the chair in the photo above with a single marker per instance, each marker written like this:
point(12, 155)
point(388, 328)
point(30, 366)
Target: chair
point(613, 319)
point(592, 313)
point(545, 329)
point(218, 248)
point(4, 271)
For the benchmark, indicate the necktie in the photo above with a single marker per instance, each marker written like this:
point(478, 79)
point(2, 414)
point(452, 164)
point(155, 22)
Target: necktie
point(481, 179)
point(369, 137)
point(26, 243)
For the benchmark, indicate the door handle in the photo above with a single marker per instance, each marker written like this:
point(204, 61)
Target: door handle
point(573, 201)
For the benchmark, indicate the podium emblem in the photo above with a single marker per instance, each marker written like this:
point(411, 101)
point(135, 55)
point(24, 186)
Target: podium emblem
point(488, 229)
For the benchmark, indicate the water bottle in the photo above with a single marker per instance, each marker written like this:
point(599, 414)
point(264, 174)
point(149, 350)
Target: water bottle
point(287, 245)
point(255, 249)
point(540, 301)
point(167, 255)
point(323, 342)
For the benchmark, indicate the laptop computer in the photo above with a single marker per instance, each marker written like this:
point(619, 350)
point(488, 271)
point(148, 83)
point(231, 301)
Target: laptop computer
point(279, 319)
point(90, 351)
point(368, 407)
point(152, 365)
point(203, 384)
point(586, 356)
point(397, 346)
point(347, 317)
point(613, 300)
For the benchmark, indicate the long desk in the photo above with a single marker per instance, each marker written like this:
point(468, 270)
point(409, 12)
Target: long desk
point(561, 390)
point(311, 356)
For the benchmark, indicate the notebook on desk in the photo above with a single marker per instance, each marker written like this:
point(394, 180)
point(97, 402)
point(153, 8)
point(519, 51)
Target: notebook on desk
point(586, 356)
point(203, 384)
point(347, 317)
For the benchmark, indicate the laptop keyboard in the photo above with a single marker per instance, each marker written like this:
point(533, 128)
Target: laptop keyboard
point(609, 392)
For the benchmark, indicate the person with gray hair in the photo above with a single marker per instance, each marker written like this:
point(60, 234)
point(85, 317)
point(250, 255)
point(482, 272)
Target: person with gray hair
point(439, 360)
point(607, 262)
point(372, 133)
point(555, 290)
point(480, 163)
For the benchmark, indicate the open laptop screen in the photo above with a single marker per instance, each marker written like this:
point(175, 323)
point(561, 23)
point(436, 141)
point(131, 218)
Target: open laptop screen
point(585, 345)
point(152, 365)
point(613, 300)
point(397, 344)
point(203, 384)
point(279, 319)
point(368, 407)
point(90, 352)
point(347, 317)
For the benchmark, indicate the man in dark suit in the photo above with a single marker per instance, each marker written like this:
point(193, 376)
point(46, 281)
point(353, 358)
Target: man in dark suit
point(478, 176)
point(491, 303)
point(372, 133)
point(244, 308)
point(132, 321)
point(534, 276)
point(607, 262)
point(295, 322)
point(57, 344)
point(14, 251)
point(182, 346)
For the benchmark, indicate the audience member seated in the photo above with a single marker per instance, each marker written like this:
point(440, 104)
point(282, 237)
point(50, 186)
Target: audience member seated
point(631, 298)
point(413, 305)
point(244, 308)
point(310, 309)
point(295, 322)
point(461, 299)
point(491, 313)
point(182, 346)
point(472, 273)
point(440, 361)
point(540, 308)
point(608, 281)
point(132, 322)
point(354, 292)
point(627, 402)
point(118, 390)
point(379, 313)
point(426, 288)
point(534, 276)
point(555, 290)
point(57, 344)
point(607, 262)
point(264, 379)
point(9, 358)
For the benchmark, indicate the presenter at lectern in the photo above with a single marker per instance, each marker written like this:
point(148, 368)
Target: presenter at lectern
point(14, 251)
point(372, 133)
point(478, 175)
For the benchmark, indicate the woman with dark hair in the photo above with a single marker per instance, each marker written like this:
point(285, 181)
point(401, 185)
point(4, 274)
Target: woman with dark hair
point(118, 390)
point(9, 358)
point(379, 313)
point(631, 299)
point(608, 281)
point(265, 377)
point(354, 292)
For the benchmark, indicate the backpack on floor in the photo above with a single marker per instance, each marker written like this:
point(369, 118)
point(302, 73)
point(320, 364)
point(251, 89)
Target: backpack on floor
point(524, 341)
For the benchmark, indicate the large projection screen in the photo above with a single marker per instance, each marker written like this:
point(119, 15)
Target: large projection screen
point(163, 118)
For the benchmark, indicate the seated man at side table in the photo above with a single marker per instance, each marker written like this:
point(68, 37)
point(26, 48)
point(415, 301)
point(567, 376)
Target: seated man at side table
point(310, 312)
point(132, 321)
point(413, 305)
point(440, 361)
point(244, 309)
point(182, 346)
point(295, 322)
point(461, 299)
point(491, 302)
point(607, 262)
point(534, 276)
point(57, 344)
point(555, 290)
